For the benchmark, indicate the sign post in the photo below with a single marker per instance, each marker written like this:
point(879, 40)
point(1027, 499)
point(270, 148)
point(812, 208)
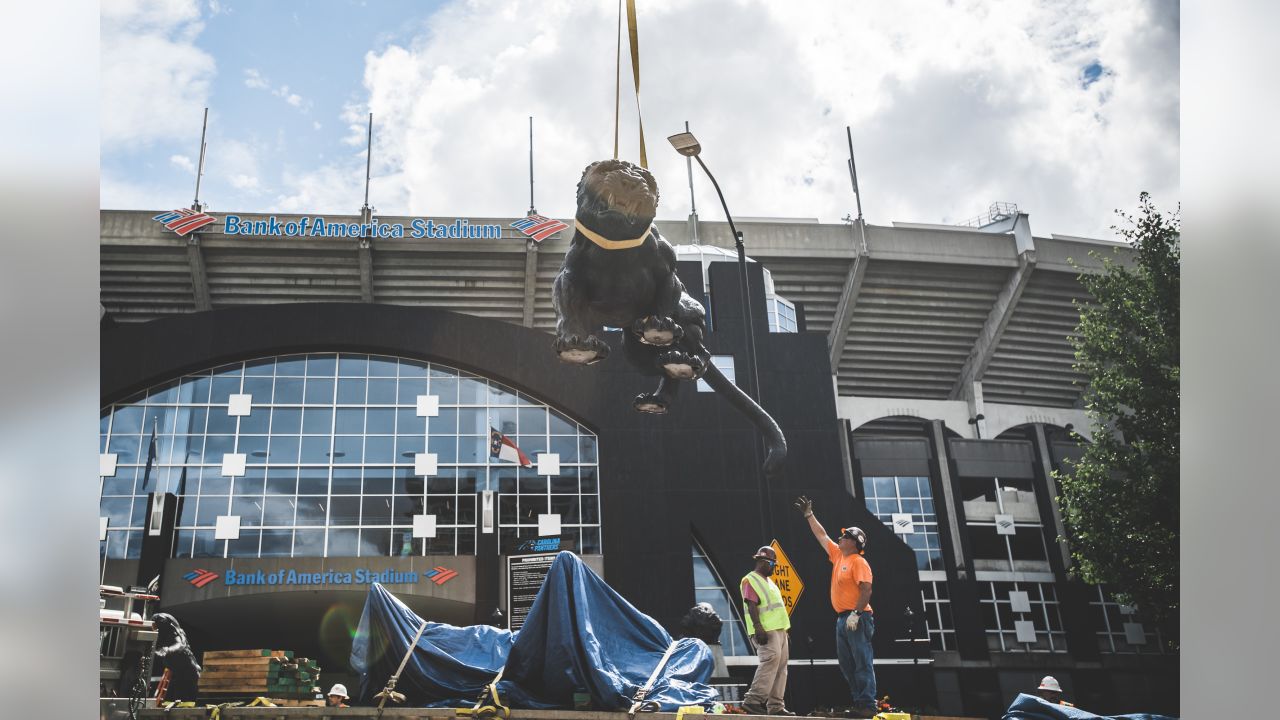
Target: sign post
point(786, 578)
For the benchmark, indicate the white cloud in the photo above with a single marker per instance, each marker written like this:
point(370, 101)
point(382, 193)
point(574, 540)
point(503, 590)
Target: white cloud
point(183, 162)
point(255, 80)
point(155, 81)
point(236, 162)
point(951, 106)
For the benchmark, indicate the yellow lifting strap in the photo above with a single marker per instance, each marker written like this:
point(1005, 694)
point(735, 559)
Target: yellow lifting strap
point(633, 37)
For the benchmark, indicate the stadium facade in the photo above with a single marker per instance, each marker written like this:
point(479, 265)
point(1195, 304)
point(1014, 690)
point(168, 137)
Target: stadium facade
point(321, 410)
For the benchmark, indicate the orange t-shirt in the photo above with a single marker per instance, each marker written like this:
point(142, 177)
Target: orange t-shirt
point(846, 572)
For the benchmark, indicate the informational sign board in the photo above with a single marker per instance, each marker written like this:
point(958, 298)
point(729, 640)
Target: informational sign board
point(786, 578)
point(525, 575)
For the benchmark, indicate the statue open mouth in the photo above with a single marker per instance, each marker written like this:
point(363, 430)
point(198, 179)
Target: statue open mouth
point(616, 190)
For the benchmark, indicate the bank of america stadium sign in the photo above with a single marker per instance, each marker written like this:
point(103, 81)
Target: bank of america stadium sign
point(186, 221)
point(288, 577)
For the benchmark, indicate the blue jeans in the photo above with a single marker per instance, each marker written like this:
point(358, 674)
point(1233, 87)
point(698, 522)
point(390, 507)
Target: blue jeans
point(853, 649)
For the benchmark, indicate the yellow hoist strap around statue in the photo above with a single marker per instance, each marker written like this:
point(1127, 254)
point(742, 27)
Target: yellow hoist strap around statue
point(634, 38)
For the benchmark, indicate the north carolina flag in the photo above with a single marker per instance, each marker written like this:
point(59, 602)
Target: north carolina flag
point(501, 448)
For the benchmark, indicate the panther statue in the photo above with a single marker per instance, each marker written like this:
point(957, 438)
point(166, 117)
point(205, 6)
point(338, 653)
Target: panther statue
point(173, 652)
point(619, 272)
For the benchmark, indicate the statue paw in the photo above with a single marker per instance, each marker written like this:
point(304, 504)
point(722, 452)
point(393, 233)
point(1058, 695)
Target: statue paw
point(650, 403)
point(659, 331)
point(681, 365)
point(580, 351)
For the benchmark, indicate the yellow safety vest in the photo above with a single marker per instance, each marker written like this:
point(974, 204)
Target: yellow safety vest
point(773, 612)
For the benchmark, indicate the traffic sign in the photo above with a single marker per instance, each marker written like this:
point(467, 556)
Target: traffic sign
point(786, 578)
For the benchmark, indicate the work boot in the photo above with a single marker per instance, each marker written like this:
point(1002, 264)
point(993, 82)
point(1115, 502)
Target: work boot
point(782, 712)
point(863, 712)
point(751, 708)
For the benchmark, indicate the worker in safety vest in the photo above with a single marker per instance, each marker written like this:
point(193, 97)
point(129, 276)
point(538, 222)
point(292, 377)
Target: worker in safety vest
point(767, 624)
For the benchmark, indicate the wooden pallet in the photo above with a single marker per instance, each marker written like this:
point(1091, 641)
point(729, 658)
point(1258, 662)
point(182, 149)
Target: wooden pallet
point(259, 673)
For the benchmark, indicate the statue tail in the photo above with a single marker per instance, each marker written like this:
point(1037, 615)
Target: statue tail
point(775, 442)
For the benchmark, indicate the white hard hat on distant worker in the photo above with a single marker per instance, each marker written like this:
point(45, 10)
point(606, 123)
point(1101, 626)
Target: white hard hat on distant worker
point(340, 690)
point(1050, 683)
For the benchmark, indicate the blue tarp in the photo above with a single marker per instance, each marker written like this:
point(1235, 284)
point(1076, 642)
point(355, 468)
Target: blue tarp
point(1031, 707)
point(580, 635)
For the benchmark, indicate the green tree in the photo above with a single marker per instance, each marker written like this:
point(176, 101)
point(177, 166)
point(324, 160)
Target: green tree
point(1121, 498)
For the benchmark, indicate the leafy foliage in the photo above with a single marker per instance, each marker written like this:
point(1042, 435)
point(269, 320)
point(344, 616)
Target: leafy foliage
point(1121, 499)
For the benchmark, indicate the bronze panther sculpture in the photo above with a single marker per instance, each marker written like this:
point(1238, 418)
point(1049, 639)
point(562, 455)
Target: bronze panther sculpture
point(619, 272)
point(174, 653)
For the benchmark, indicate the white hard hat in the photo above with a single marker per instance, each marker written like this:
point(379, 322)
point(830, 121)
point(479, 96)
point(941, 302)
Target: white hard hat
point(1050, 683)
point(340, 689)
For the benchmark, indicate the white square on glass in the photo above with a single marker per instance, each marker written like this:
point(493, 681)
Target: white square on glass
point(107, 465)
point(227, 527)
point(1135, 634)
point(239, 405)
point(233, 464)
point(549, 464)
point(424, 464)
point(548, 524)
point(1019, 601)
point(428, 405)
point(1026, 631)
point(102, 528)
point(903, 524)
point(424, 526)
point(1005, 526)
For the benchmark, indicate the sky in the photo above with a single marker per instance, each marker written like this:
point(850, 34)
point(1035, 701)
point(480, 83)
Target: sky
point(1069, 109)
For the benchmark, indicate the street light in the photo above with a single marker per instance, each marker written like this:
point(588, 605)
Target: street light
point(687, 145)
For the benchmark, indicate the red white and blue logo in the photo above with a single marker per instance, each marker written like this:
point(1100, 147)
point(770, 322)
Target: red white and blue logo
point(184, 221)
point(538, 228)
point(200, 577)
point(440, 574)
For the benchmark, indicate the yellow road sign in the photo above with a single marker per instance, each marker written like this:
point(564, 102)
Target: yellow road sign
point(786, 578)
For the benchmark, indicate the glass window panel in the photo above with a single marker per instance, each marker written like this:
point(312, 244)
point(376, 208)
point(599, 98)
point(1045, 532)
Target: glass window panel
point(259, 388)
point(446, 423)
point(466, 541)
point(379, 421)
point(117, 511)
point(531, 481)
point(317, 421)
point(251, 483)
point(291, 365)
point(912, 506)
point(566, 447)
point(445, 448)
point(442, 544)
point(313, 481)
point(350, 421)
point(193, 420)
point(588, 480)
point(311, 510)
point(409, 446)
point(532, 421)
point(191, 449)
point(353, 365)
point(215, 446)
point(163, 394)
point(406, 483)
point(412, 368)
point(566, 481)
point(319, 391)
point(409, 389)
point(531, 506)
point(502, 419)
point(586, 449)
point(308, 543)
point(249, 509)
point(378, 480)
point(379, 449)
point(182, 544)
point(1027, 544)
point(566, 506)
point(118, 485)
point(343, 543)
point(278, 510)
point(264, 367)
point(590, 541)
point(315, 449)
point(986, 544)
point(376, 510)
point(466, 510)
point(532, 445)
point(344, 511)
point(348, 449)
point(473, 421)
point(504, 479)
point(561, 425)
point(324, 365)
point(446, 388)
point(471, 391)
point(473, 449)
point(127, 420)
point(408, 422)
point(444, 508)
point(205, 546)
point(211, 507)
point(375, 542)
point(403, 508)
point(277, 543)
point(346, 481)
point(500, 394)
point(197, 389)
point(220, 423)
point(286, 421)
point(382, 366)
point(508, 510)
point(351, 391)
point(471, 480)
point(222, 390)
point(284, 449)
point(382, 392)
point(444, 483)
point(253, 447)
point(125, 448)
point(213, 482)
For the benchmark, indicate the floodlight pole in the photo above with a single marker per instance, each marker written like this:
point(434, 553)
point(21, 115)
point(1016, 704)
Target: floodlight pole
point(204, 128)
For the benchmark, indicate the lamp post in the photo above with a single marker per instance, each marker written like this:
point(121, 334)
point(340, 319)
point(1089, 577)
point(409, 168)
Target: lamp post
point(687, 145)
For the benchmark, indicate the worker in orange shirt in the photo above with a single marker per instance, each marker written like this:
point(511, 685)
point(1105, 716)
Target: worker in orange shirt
point(851, 599)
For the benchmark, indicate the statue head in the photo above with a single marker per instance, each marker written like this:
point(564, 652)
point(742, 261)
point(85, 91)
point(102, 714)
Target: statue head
point(616, 198)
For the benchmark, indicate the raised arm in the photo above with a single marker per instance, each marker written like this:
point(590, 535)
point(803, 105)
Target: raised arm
point(805, 506)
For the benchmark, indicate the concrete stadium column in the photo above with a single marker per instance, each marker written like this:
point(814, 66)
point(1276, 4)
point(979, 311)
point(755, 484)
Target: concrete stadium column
point(949, 504)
